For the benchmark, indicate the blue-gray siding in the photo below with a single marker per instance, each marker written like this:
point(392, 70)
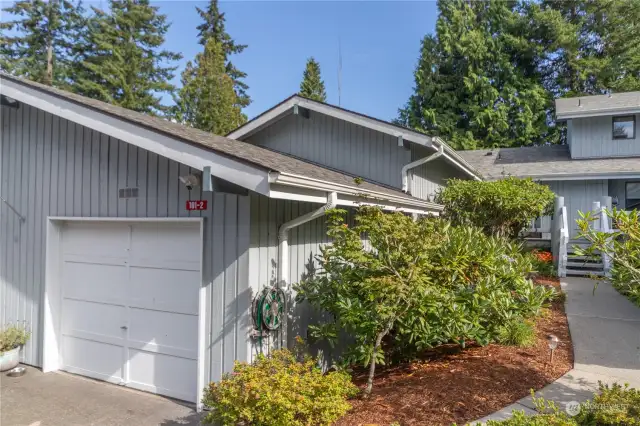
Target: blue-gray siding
point(53, 167)
point(579, 197)
point(354, 149)
point(427, 179)
point(592, 137)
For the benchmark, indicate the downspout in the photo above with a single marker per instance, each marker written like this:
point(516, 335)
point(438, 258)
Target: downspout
point(283, 252)
point(414, 164)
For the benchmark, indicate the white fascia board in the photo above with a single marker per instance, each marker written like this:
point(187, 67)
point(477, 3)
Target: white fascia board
point(284, 109)
point(234, 171)
point(454, 158)
point(300, 188)
point(597, 113)
point(264, 120)
point(561, 177)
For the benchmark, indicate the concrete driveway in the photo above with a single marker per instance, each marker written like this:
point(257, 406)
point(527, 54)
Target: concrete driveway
point(52, 399)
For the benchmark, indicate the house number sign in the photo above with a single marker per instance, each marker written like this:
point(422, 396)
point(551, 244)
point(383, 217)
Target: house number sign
point(197, 205)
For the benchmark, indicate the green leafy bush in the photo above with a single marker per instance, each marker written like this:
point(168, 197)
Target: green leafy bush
point(517, 332)
point(503, 207)
point(12, 337)
point(423, 283)
point(368, 291)
point(622, 245)
point(278, 390)
point(611, 406)
point(614, 405)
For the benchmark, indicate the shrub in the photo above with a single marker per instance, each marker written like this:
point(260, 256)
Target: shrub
point(543, 263)
point(278, 390)
point(368, 291)
point(424, 283)
point(611, 406)
point(517, 332)
point(622, 245)
point(503, 207)
point(12, 337)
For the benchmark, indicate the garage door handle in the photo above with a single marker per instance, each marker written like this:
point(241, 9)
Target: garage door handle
point(124, 327)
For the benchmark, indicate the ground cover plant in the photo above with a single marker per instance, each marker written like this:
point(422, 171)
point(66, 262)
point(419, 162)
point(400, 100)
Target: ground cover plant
point(614, 405)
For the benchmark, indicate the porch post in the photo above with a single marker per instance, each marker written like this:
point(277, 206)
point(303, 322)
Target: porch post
point(558, 203)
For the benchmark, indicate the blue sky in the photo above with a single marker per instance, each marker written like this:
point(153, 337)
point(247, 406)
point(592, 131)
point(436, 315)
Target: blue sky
point(380, 43)
point(380, 46)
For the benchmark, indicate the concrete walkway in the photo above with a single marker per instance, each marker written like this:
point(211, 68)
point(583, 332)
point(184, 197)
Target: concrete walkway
point(61, 399)
point(605, 331)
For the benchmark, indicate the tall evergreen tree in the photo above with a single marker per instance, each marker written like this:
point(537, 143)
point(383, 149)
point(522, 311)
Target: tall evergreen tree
point(121, 60)
point(604, 53)
point(477, 82)
point(312, 86)
point(41, 48)
point(213, 27)
point(207, 99)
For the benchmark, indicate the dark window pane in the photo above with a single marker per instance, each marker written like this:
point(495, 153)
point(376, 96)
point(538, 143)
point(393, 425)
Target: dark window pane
point(624, 127)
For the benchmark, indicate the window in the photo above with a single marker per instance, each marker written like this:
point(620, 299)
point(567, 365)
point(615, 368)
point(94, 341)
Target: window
point(633, 196)
point(624, 127)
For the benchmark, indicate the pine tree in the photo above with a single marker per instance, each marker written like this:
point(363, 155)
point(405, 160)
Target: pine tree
point(213, 27)
point(312, 86)
point(207, 99)
point(477, 83)
point(45, 31)
point(121, 60)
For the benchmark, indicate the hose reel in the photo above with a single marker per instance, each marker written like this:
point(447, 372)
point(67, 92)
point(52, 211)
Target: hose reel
point(268, 309)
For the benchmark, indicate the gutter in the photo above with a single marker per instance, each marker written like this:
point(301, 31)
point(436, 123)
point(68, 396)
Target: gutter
point(316, 184)
point(414, 164)
point(453, 157)
point(283, 251)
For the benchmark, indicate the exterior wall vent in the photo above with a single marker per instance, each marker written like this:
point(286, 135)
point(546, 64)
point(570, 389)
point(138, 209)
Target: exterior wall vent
point(128, 193)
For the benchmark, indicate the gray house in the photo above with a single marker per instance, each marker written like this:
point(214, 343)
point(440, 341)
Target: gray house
point(134, 248)
point(600, 163)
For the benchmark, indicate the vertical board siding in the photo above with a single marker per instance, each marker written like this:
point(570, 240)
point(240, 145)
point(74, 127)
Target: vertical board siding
point(579, 197)
point(305, 242)
point(52, 167)
point(427, 179)
point(592, 137)
point(337, 144)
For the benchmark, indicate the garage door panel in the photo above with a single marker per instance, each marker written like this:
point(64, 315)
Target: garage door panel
point(130, 304)
point(95, 282)
point(80, 238)
point(169, 375)
point(174, 243)
point(95, 359)
point(97, 318)
point(164, 329)
point(165, 290)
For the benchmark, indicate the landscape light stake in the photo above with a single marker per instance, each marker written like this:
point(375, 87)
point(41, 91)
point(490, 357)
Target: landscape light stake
point(552, 341)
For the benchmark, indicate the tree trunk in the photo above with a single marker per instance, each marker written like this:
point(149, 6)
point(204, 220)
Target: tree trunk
point(372, 366)
point(49, 76)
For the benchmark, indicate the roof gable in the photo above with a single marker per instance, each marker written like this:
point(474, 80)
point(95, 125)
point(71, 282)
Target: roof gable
point(241, 163)
point(292, 104)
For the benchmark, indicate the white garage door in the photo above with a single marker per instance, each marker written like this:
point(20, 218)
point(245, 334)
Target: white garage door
point(130, 304)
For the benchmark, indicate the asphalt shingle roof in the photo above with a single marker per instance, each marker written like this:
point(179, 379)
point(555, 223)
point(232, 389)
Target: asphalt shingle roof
point(544, 161)
point(598, 104)
point(243, 151)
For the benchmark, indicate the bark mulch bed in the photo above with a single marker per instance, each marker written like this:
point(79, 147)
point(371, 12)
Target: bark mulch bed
point(446, 387)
